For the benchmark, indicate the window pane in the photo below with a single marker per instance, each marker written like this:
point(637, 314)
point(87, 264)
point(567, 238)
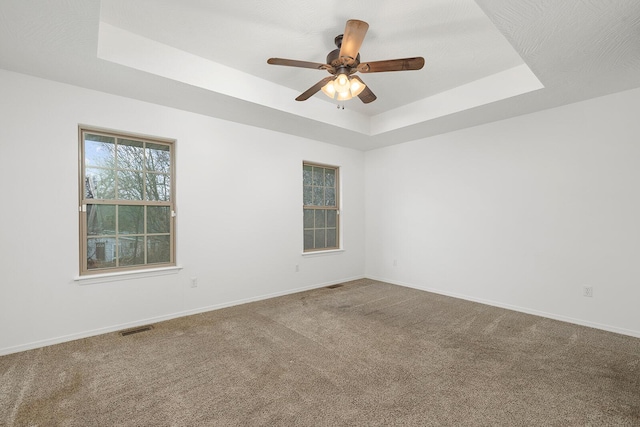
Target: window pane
point(308, 239)
point(101, 219)
point(308, 218)
point(318, 176)
point(318, 196)
point(130, 155)
point(307, 197)
point(130, 185)
point(331, 238)
point(320, 218)
point(306, 175)
point(130, 219)
point(99, 184)
point(101, 253)
point(99, 138)
point(329, 177)
point(330, 197)
point(332, 218)
point(99, 150)
point(131, 250)
point(158, 158)
point(158, 249)
point(158, 187)
point(319, 239)
point(158, 219)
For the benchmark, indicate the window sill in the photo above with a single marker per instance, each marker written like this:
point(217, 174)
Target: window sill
point(125, 275)
point(320, 253)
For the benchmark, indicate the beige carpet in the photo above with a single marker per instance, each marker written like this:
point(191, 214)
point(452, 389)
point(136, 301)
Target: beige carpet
point(364, 354)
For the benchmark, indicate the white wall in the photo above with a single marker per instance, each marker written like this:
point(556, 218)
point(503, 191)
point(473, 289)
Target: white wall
point(520, 213)
point(239, 198)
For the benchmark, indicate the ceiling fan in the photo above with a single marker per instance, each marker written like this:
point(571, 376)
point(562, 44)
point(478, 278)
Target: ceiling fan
point(343, 62)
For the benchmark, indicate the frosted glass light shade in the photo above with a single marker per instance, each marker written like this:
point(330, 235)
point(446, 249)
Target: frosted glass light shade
point(356, 87)
point(341, 83)
point(344, 96)
point(329, 90)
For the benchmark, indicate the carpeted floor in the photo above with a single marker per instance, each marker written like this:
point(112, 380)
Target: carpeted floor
point(363, 354)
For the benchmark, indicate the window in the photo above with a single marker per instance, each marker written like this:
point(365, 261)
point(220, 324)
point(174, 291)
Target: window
point(126, 202)
point(320, 207)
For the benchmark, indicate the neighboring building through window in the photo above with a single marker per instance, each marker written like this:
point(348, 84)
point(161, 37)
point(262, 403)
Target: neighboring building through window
point(126, 202)
point(320, 207)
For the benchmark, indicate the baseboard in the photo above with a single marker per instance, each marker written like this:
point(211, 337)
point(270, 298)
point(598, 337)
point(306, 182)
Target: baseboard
point(553, 316)
point(118, 327)
point(121, 326)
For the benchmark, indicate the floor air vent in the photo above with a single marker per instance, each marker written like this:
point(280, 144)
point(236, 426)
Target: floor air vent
point(136, 330)
point(334, 286)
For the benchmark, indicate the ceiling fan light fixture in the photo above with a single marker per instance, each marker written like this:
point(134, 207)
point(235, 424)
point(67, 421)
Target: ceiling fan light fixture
point(343, 87)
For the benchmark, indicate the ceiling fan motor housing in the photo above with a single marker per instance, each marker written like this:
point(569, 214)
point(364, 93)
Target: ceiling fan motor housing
point(333, 58)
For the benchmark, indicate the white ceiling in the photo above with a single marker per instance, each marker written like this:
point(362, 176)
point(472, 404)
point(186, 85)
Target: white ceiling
point(485, 60)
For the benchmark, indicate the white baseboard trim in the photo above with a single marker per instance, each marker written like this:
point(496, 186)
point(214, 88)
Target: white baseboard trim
point(128, 325)
point(553, 316)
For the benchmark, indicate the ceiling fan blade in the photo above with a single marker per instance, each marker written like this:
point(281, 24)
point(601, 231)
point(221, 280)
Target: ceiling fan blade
point(366, 96)
point(314, 89)
point(354, 33)
point(300, 64)
point(392, 65)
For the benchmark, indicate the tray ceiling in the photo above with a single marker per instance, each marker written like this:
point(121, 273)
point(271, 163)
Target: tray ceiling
point(485, 60)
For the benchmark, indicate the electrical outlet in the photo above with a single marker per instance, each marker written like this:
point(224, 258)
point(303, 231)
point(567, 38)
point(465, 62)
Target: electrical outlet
point(297, 268)
point(194, 282)
point(395, 262)
point(587, 291)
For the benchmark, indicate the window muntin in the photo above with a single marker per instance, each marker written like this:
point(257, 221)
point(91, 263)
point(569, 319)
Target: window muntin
point(320, 207)
point(127, 202)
